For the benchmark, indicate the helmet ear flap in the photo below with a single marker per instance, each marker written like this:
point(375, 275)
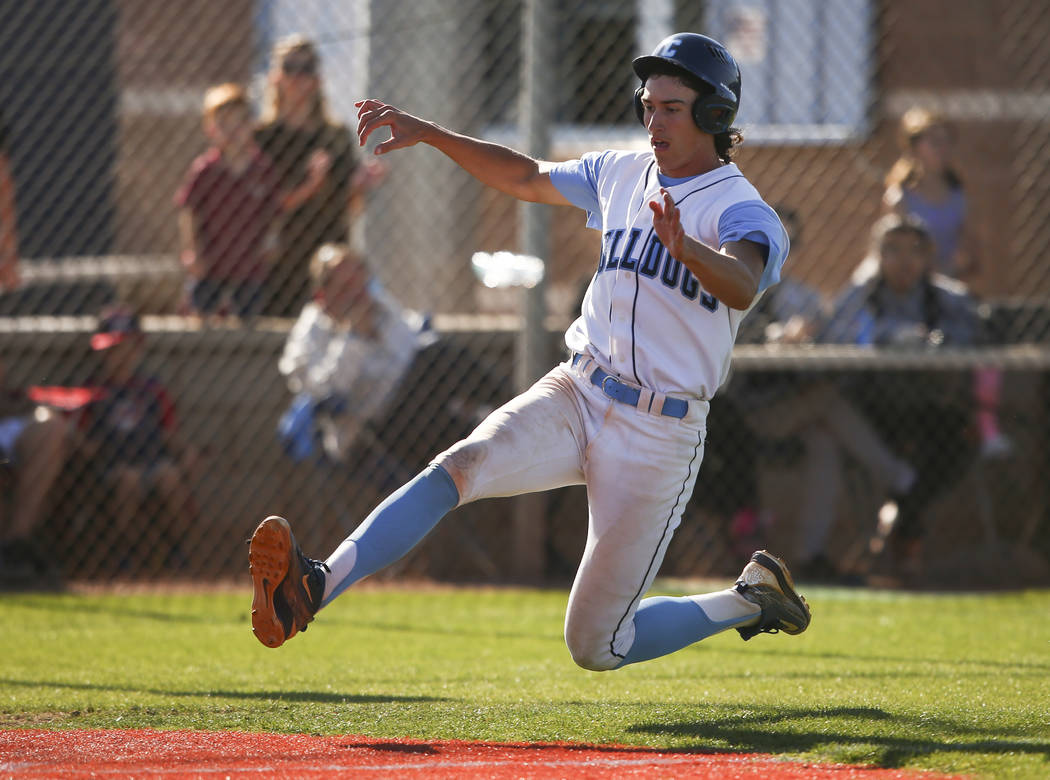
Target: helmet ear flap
point(713, 114)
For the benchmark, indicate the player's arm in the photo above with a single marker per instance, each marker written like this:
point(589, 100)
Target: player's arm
point(497, 166)
point(731, 275)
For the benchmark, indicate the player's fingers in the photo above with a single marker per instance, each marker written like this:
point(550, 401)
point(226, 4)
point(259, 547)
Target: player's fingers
point(404, 129)
point(670, 209)
point(395, 142)
point(386, 146)
point(367, 112)
point(368, 124)
point(368, 104)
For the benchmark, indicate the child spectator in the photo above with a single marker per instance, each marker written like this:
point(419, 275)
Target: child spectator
point(130, 435)
point(229, 207)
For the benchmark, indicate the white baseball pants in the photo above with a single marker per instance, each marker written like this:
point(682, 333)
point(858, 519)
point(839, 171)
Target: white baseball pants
point(639, 468)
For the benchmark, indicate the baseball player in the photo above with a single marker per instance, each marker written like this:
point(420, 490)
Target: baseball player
point(688, 246)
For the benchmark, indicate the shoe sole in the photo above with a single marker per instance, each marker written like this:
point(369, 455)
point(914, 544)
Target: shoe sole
point(268, 559)
point(787, 585)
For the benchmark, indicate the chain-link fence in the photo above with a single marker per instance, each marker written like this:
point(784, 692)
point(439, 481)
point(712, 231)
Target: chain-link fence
point(120, 203)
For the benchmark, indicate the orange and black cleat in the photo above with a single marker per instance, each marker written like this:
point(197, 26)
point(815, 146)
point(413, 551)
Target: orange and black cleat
point(288, 585)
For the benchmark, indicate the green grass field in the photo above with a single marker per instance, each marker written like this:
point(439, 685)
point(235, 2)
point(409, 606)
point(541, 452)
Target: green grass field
point(955, 683)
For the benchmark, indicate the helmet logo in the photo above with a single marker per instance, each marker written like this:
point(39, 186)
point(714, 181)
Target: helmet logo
point(670, 48)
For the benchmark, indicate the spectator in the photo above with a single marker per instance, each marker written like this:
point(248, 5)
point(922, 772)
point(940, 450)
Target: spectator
point(33, 446)
point(344, 360)
point(8, 219)
point(131, 437)
point(924, 183)
point(319, 173)
point(905, 305)
point(827, 423)
point(228, 210)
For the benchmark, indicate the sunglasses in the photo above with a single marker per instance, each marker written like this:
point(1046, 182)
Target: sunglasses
point(293, 68)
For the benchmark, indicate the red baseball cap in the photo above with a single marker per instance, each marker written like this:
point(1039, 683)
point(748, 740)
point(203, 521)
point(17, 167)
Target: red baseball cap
point(114, 327)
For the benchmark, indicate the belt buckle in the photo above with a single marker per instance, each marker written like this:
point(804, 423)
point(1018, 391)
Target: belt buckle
point(605, 379)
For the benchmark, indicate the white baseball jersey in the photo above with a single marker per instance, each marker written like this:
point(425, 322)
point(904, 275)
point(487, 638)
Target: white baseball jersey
point(645, 317)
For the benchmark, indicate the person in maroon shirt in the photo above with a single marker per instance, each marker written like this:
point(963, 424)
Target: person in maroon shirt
point(229, 207)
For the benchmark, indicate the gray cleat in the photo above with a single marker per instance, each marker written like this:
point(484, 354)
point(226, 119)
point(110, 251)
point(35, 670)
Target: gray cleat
point(766, 581)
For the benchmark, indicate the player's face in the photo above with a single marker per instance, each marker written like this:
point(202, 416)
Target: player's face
point(903, 259)
point(680, 147)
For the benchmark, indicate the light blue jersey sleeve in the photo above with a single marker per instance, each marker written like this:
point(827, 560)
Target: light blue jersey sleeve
point(577, 180)
point(754, 221)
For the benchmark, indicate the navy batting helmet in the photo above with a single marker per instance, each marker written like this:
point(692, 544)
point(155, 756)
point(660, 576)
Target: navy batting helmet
point(705, 59)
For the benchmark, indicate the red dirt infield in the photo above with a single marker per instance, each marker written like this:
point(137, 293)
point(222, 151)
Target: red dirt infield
point(35, 753)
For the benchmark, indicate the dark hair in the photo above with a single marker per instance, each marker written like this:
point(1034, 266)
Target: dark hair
point(725, 143)
point(895, 222)
point(904, 223)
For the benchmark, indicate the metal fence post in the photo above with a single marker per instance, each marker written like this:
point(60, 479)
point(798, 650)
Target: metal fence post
point(536, 112)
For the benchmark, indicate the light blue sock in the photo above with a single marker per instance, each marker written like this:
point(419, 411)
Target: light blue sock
point(664, 624)
point(398, 524)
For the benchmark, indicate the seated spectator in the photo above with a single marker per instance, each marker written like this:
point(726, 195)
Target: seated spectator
point(33, 446)
point(229, 204)
point(906, 305)
point(344, 360)
point(828, 424)
point(129, 434)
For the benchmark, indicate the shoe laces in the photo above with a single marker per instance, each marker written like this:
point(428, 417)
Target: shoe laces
point(317, 564)
point(761, 627)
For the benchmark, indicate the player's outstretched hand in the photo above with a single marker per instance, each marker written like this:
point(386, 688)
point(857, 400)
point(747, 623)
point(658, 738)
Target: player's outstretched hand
point(667, 223)
point(405, 130)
